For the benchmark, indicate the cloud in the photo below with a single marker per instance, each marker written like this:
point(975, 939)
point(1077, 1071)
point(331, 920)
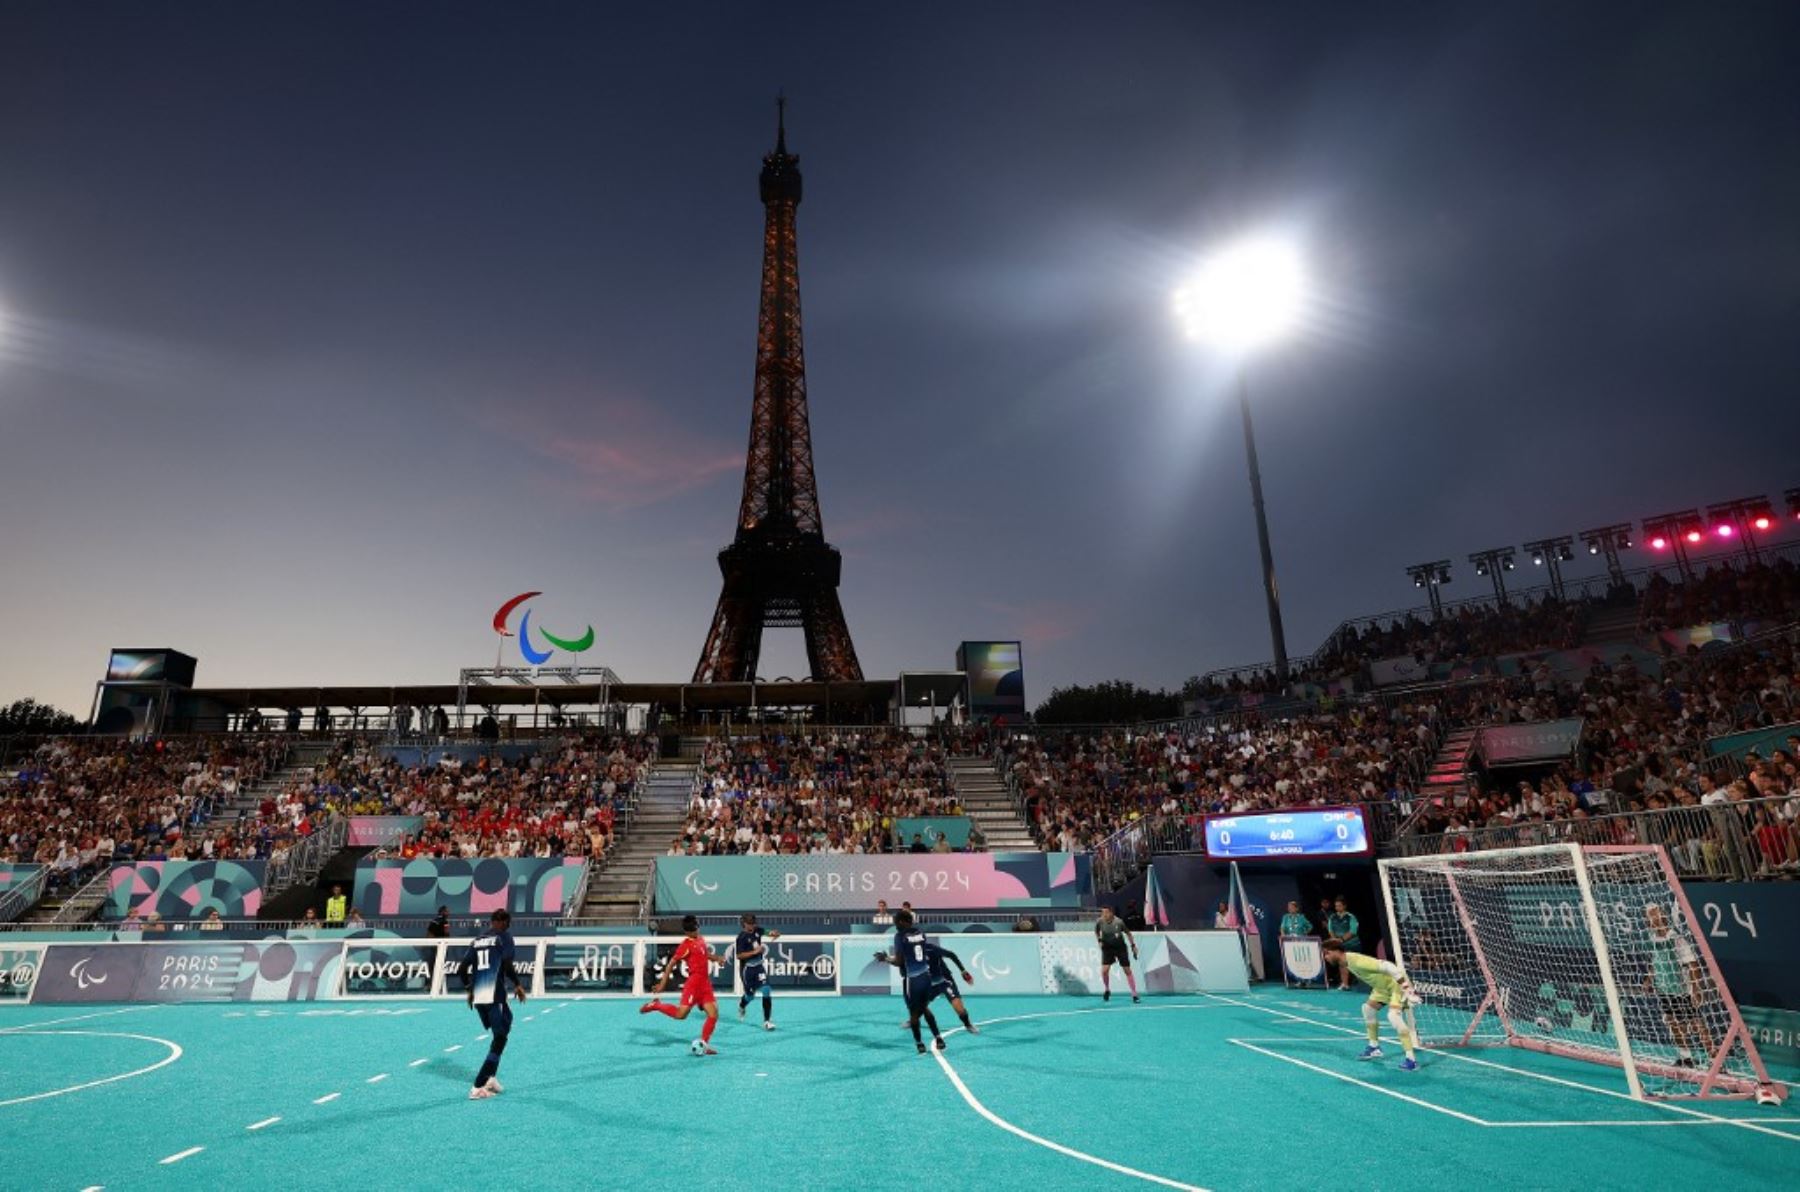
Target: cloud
point(1042, 622)
point(626, 454)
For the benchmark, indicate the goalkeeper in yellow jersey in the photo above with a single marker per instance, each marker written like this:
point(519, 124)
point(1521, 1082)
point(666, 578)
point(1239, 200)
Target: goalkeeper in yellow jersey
point(1388, 984)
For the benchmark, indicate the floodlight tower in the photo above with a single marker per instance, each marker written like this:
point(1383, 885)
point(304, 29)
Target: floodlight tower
point(1245, 298)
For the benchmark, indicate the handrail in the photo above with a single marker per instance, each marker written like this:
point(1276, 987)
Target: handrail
point(23, 896)
point(82, 904)
point(579, 897)
point(1726, 556)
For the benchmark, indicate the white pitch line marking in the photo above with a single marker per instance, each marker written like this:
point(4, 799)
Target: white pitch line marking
point(94, 1188)
point(1058, 1147)
point(1386, 1092)
point(454, 1047)
point(174, 1054)
point(264, 1124)
point(178, 1156)
point(416, 1063)
point(376, 1079)
point(1454, 1054)
point(327, 1097)
point(32, 1026)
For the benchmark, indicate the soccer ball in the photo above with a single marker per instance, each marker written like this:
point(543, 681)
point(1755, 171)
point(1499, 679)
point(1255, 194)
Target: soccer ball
point(697, 1047)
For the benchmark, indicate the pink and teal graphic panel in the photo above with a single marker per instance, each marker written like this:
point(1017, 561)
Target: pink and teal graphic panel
point(534, 886)
point(935, 881)
point(13, 876)
point(184, 889)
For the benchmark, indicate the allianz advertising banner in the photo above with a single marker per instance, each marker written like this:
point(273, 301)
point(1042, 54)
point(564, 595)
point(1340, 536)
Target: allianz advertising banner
point(1063, 962)
point(939, 881)
point(229, 971)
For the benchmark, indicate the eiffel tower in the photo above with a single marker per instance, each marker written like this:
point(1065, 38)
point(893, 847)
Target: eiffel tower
point(779, 571)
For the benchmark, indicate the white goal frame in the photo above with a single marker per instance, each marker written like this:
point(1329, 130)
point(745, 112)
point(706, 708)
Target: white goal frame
point(1712, 1082)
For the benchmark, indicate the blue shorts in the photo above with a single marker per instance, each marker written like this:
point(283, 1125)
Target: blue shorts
point(497, 1018)
point(946, 985)
point(918, 992)
point(756, 978)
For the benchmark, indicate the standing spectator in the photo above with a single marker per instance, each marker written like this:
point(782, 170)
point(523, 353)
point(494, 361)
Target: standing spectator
point(439, 928)
point(1342, 925)
point(1223, 919)
point(883, 918)
point(212, 922)
point(1295, 923)
point(335, 907)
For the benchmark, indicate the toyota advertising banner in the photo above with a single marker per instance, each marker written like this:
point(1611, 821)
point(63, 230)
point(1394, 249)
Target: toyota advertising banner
point(938, 881)
point(228, 971)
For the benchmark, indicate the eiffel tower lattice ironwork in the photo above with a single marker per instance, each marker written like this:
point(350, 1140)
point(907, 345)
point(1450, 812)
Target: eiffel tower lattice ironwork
point(779, 570)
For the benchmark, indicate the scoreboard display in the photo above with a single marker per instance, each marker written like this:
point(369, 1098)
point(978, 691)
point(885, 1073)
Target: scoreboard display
point(1334, 832)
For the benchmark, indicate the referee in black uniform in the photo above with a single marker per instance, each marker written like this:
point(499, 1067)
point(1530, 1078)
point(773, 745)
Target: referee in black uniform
point(1114, 938)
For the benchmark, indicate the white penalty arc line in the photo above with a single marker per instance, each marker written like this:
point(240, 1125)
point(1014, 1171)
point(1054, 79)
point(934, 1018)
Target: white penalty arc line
point(975, 1103)
point(174, 1054)
point(1452, 1053)
point(27, 1027)
point(1058, 1147)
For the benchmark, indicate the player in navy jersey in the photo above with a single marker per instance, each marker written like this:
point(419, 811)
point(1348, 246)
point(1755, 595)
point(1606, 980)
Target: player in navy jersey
point(941, 958)
point(912, 957)
point(487, 972)
point(753, 956)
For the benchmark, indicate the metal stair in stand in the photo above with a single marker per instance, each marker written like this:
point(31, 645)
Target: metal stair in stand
point(986, 801)
point(615, 891)
point(1447, 782)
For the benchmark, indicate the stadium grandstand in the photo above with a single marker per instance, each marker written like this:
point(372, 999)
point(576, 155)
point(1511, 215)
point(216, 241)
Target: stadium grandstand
point(1503, 886)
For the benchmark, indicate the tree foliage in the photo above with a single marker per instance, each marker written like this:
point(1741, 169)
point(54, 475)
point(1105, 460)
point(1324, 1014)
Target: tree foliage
point(1117, 701)
point(29, 716)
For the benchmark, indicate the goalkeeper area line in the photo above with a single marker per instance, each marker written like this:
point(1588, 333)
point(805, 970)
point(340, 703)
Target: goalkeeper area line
point(1189, 1092)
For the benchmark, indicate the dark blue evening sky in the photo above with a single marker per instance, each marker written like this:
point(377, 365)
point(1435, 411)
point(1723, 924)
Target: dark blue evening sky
point(326, 327)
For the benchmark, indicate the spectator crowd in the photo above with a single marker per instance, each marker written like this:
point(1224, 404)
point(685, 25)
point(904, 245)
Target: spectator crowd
point(815, 793)
point(78, 805)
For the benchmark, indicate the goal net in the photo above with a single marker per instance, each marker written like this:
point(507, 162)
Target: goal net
point(1592, 953)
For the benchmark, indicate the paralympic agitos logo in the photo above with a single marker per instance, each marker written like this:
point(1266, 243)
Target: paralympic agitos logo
point(531, 653)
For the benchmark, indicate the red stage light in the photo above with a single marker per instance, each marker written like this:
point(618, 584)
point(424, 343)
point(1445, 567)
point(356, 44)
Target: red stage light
point(1659, 543)
point(1694, 536)
point(1761, 523)
point(1724, 530)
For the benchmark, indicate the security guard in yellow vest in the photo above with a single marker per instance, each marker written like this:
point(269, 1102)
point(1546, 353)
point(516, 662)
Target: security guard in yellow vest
point(336, 907)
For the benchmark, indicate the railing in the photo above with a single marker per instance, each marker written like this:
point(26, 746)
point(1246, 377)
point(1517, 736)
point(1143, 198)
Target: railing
point(1591, 587)
point(23, 896)
point(81, 905)
point(306, 859)
point(648, 899)
point(1719, 841)
point(574, 903)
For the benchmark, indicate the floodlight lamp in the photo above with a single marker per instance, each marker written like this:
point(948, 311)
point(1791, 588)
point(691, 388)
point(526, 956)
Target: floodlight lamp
point(1245, 297)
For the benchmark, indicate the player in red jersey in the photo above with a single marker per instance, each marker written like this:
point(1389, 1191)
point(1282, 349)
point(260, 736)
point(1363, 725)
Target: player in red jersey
point(695, 959)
